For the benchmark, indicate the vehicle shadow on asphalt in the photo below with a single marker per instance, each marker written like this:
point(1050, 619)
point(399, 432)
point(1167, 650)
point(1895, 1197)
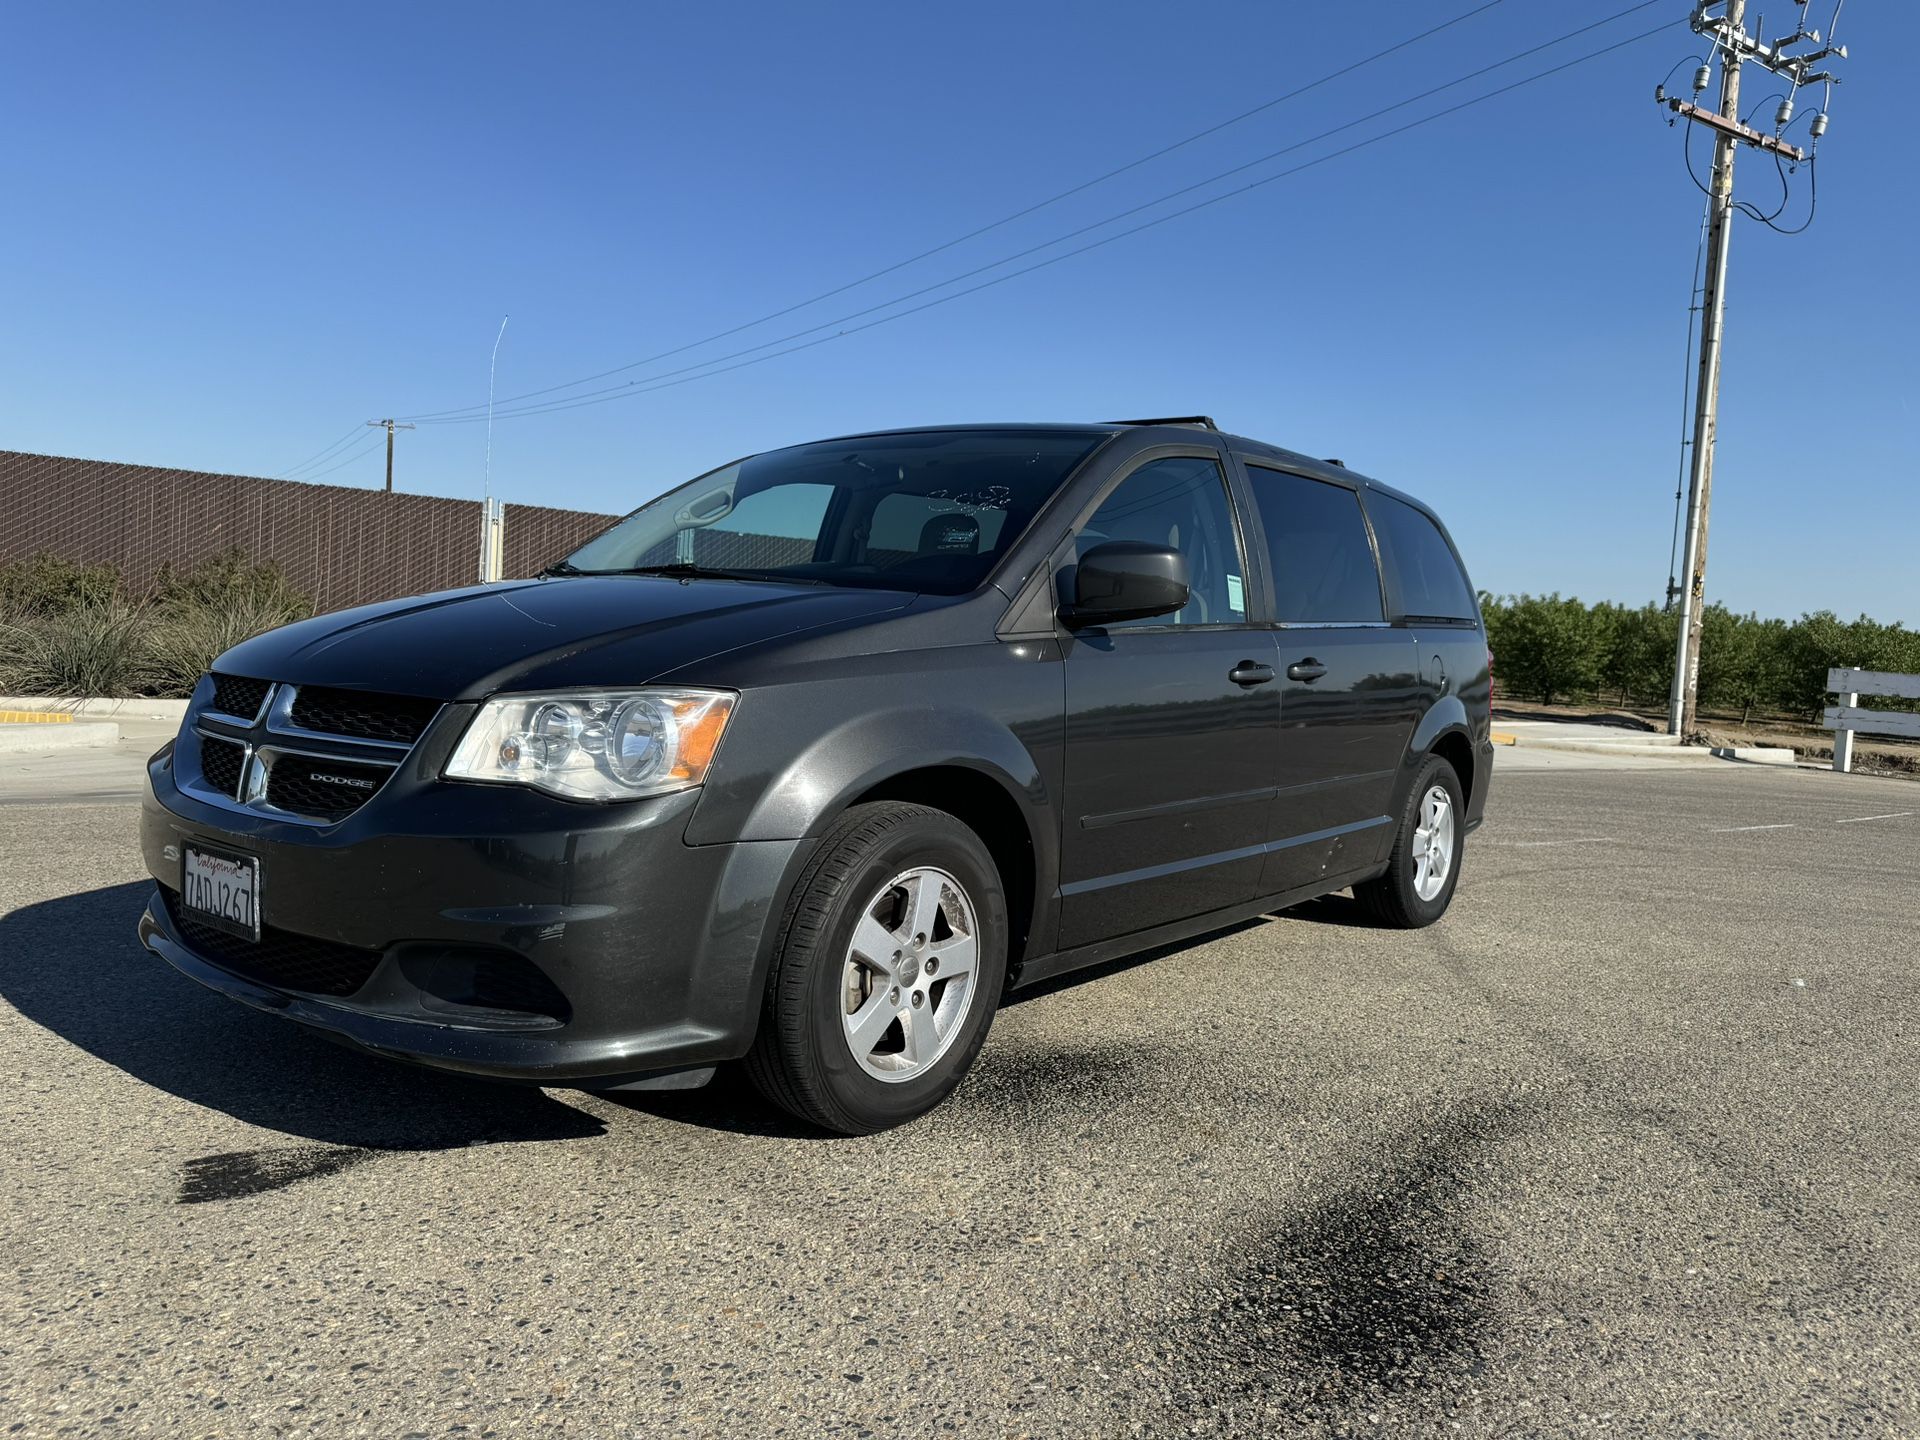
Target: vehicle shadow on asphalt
point(728, 1103)
point(73, 966)
point(1330, 910)
point(1073, 978)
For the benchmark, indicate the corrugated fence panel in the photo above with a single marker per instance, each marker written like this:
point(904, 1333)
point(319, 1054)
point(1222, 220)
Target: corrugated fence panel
point(537, 535)
point(340, 545)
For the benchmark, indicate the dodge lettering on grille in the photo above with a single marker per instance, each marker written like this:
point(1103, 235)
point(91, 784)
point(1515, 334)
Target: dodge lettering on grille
point(350, 782)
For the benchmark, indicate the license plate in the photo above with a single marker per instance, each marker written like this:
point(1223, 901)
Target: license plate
point(221, 889)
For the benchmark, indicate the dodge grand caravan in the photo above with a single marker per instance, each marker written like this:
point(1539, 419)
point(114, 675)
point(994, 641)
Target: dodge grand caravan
point(809, 761)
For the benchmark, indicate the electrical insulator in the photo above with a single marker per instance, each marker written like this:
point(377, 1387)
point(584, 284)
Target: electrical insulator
point(1701, 78)
point(1819, 124)
point(1660, 94)
point(1783, 114)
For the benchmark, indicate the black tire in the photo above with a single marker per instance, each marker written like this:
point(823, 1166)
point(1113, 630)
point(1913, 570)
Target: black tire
point(1392, 899)
point(801, 1059)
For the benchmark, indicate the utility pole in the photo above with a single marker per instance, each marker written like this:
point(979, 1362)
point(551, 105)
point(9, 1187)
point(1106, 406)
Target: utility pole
point(391, 427)
point(1734, 47)
point(1686, 673)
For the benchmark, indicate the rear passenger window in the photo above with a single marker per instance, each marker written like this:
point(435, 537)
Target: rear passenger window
point(1418, 556)
point(1317, 550)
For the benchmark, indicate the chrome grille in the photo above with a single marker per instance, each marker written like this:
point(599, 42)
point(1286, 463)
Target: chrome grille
point(313, 755)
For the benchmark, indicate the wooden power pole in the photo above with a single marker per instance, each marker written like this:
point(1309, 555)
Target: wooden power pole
point(1734, 46)
point(391, 427)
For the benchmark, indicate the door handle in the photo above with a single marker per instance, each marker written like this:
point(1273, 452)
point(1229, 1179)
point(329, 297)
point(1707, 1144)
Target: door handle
point(1250, 673)
point(1308, 670)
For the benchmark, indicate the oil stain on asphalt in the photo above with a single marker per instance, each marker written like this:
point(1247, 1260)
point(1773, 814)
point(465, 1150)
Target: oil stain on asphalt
point(239, 1173)
point(1380, 1287)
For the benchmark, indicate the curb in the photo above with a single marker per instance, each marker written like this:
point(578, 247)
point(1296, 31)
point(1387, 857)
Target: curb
point(1757, 754)
point(76, 735)
point(1751, 754)
point(107, 707)
point(35, 717)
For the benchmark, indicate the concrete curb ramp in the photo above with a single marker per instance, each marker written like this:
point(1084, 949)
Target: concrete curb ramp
point(36, 739)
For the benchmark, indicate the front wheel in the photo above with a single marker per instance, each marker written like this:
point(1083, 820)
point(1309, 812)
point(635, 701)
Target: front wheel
point(887, 972)
point(1425, 864)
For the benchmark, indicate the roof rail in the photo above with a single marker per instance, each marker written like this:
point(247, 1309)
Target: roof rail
point(1193, 422)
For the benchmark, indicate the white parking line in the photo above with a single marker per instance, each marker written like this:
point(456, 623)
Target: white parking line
point(1895, 815)
point(1532, 844)
point(1736, 829)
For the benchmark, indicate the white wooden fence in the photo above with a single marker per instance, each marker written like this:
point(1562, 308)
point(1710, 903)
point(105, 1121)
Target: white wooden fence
point(1847, 717)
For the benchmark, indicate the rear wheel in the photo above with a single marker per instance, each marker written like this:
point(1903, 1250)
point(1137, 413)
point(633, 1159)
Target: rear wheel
point(1425, 864)
point(887, 971)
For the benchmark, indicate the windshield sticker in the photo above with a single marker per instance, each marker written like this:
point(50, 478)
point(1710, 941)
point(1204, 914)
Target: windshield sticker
point(1236, 595)
point(972, 502)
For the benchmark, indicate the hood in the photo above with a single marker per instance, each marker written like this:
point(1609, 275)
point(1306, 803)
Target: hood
point(543, 634)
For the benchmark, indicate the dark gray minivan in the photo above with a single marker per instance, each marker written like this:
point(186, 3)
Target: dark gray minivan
point(809, 761)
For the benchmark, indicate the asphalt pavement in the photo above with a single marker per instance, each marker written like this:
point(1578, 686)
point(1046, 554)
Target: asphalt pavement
point(1626, 1144)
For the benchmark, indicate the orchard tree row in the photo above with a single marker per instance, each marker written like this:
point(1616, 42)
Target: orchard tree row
point(1555, 650)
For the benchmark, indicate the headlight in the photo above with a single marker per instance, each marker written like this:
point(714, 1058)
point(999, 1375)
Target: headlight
point(600, 745)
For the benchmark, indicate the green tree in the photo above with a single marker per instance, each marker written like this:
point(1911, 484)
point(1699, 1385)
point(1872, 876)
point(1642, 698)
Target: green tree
point(1742, 661)
point(1544, 645)
point(1636, 659)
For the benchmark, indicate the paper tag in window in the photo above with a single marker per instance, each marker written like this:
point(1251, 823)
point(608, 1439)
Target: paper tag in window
point(1236, 596)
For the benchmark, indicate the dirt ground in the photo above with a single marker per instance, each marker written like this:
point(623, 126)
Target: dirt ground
point(1872, 755)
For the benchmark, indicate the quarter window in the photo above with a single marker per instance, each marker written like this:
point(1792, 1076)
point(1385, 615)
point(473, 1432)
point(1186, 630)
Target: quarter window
point(1317, 550)
point(1180, 503)
point(1432, 586)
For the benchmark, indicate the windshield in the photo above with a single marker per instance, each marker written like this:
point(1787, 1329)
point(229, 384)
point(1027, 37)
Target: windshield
point(927, 512)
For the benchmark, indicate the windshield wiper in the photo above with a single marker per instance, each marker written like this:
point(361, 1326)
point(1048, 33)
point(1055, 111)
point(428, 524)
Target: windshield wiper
point(681, 570)
point(685, 570)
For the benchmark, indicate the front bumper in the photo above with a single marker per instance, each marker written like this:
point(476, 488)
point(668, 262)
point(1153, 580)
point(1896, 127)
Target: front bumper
point(657, 949)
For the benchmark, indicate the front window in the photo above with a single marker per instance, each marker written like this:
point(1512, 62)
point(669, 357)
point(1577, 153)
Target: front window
point(1182, 504)
point(929, 512)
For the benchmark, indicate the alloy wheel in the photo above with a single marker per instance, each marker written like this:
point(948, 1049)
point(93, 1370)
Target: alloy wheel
point(908, 979)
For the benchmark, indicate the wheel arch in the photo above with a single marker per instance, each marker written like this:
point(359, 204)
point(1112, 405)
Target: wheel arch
point(961, 761)
point(1445, 730)
point(992, 813)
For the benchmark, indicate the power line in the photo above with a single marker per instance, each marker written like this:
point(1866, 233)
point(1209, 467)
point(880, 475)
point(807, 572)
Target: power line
point(1021, 214)
point(1686, 410)
point(314, 459)
point(713, 367)
point(373, 443)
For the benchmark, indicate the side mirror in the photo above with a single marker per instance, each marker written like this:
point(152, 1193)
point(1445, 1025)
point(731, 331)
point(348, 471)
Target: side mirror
point(1126, 580)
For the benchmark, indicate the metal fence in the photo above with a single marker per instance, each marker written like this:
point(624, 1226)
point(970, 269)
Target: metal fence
point(338, 545)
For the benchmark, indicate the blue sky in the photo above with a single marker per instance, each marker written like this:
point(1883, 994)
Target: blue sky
point(234, 233)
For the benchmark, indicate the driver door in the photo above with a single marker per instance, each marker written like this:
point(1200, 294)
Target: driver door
point(1172, 730)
